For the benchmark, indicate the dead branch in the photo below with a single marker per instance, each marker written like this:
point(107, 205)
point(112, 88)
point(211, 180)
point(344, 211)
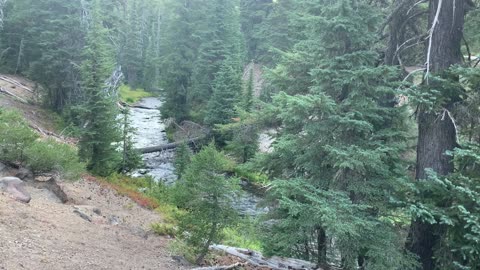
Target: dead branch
point(430, 38)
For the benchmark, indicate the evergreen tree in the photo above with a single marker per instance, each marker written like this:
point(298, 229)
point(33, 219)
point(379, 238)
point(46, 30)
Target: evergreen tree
point(98, 142)
point(131, 159)
point(132, 58)
point(183, 157)
point(340, 144)
point(253, 14)
point(206, 195)
point(180, 50)
point(227, 88)
point(44, 40)
point(221, 41)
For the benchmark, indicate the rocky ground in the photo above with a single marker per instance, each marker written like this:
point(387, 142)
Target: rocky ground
point(96, 229)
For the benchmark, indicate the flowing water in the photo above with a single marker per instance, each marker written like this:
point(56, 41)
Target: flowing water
point(150, 131)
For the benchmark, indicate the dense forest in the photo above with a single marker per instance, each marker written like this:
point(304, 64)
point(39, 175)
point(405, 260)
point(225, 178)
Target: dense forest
point(372, 107)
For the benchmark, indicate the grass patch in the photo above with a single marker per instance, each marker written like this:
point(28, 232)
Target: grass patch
point(130, 187)
point(243, 172)
point(244, 235)
point(129, 95)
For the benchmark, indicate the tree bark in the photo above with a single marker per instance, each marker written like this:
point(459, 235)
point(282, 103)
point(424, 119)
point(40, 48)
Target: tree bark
point(437, 131)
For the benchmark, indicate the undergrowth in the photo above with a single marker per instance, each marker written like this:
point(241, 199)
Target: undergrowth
point(129, 95)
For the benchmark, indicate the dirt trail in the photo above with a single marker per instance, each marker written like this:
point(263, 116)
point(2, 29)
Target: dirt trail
point(46, 234)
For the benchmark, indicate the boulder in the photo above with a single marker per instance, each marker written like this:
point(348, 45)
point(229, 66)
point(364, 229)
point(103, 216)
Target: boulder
point(15, 188)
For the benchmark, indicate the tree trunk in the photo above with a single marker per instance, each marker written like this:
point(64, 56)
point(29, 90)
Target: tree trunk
point(437, 132)
point(322, 246)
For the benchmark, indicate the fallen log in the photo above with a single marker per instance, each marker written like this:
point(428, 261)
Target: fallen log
point(8, 93)
point(169, 146)
point(124, 104)
point(257, 259)
point(229, 267)
point(16, 83)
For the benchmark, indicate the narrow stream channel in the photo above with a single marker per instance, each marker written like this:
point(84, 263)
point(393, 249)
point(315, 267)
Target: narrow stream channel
point(150, 131)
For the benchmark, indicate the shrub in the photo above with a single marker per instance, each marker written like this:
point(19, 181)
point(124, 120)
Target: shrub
point(49, 155)
point(15, 136)
point(164, 229)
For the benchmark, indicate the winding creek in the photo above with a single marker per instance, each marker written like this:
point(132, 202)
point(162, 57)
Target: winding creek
point(150, 131)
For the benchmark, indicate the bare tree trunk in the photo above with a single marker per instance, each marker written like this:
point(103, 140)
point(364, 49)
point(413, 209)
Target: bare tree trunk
point(437, 131)
point(20, 55)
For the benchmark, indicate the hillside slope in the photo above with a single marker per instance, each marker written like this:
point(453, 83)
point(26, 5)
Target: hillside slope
point(96, 229)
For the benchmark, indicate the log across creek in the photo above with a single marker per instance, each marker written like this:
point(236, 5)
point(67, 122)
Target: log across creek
point(169, 146)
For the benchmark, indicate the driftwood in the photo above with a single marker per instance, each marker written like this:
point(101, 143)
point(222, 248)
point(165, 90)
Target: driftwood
point(257, 259)
point(229, 267)
point(3, 90)
point(168, 146)
point(15, 82)
point(122, 105)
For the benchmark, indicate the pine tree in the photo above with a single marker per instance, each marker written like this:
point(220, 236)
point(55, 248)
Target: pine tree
point(340, 143)
point(179, 52)
point(227, 88)
point(131, 158)
point(183, 157)
point(98, 142)
point(132, 52)
point(207, 196)
point(221, 40)
point(44, 40)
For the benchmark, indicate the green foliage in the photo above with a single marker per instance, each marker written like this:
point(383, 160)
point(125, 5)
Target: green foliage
point(245, 234)
point(183, 157)
point(207, 196)
point(51, 156)
point(461, 216)
point(241, 136)
point(15, 136)
point(100, 134)
point(221, 47)
point(44, 39)
point(180, 51)
point(19, 143)
point(164, 229)
point(131, 158)
point(340, 143)
point(129, 95)
point(226, 91)
point(350, 224)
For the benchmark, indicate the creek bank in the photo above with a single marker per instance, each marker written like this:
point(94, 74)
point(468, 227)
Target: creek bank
point(151, 131)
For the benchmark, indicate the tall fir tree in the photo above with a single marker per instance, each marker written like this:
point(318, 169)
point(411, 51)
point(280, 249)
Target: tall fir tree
point(339, 148)
point(179, 53)
point(221, 40)
point(98, 144)
point(227, 89)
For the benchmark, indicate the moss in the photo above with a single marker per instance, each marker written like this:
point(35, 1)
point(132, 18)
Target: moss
point(130, 95)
